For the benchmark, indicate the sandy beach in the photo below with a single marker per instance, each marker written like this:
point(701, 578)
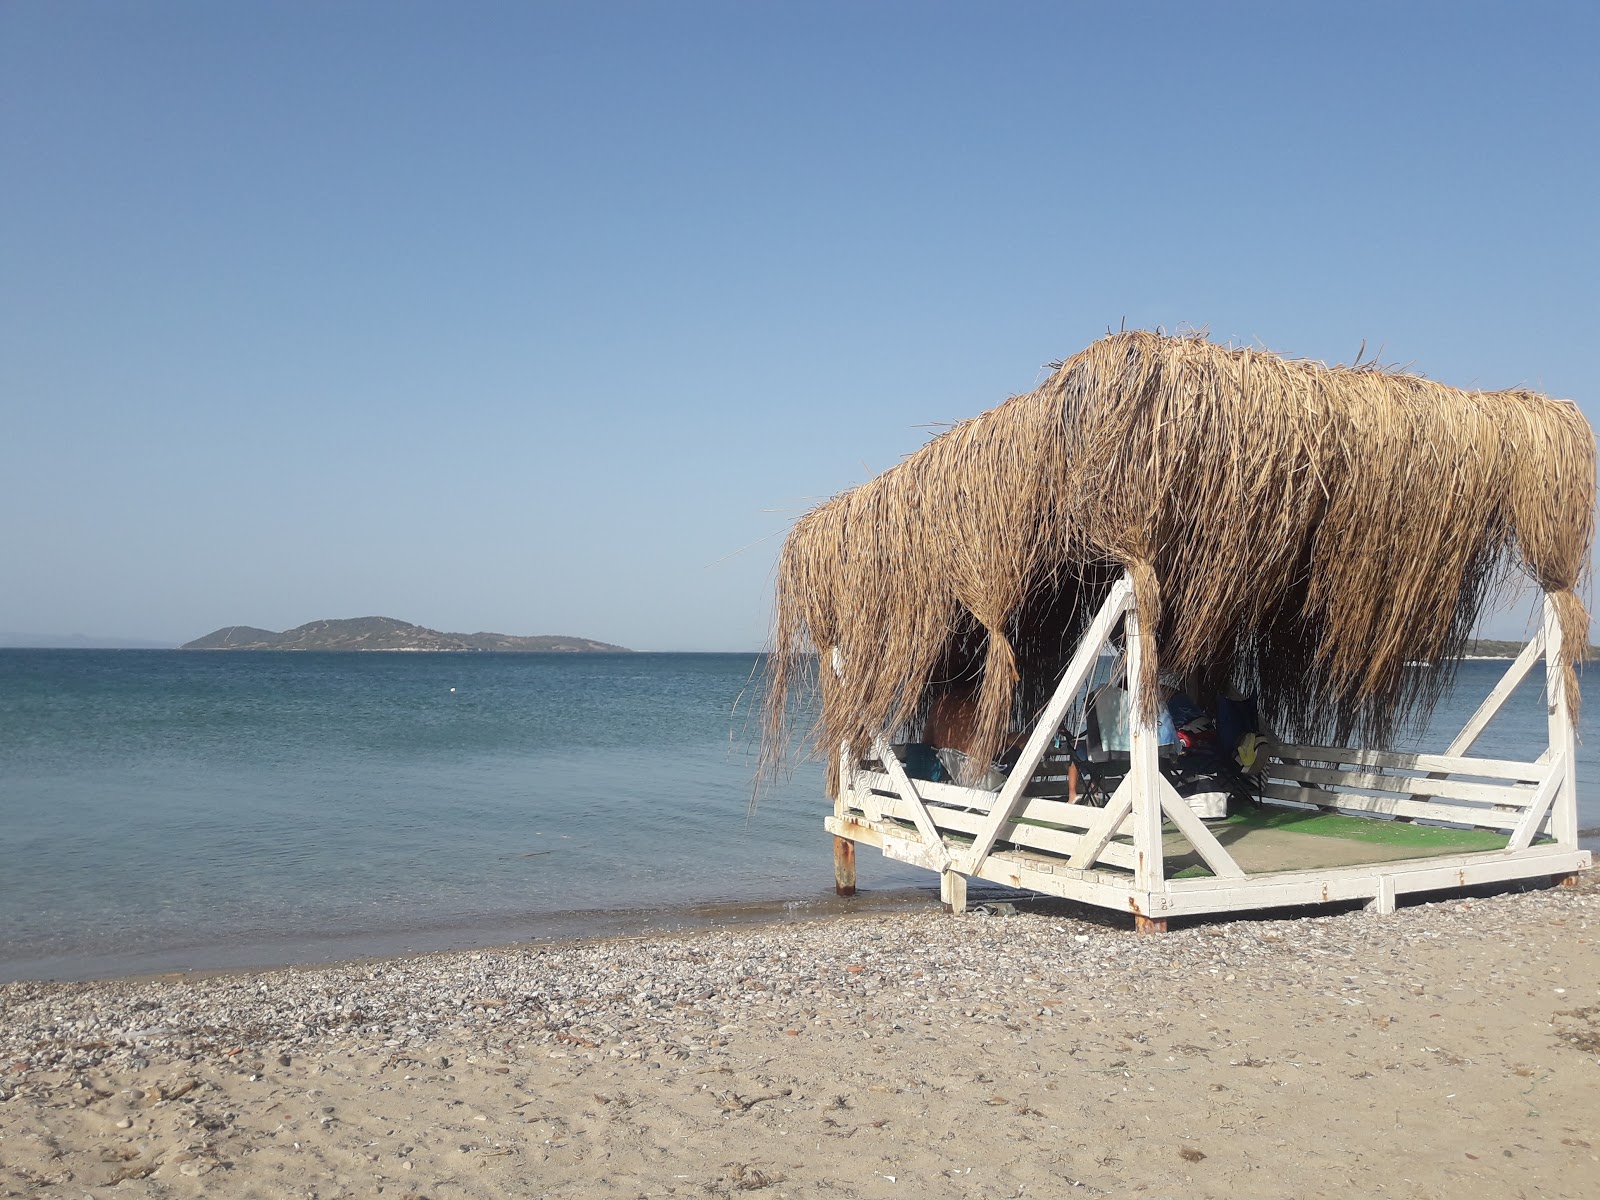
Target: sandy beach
point(1452, 1048)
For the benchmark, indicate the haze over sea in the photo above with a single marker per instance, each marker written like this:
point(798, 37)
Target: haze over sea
point(167, 810)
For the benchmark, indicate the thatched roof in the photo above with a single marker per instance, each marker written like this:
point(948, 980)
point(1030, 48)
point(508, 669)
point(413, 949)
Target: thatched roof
point(1297, 530)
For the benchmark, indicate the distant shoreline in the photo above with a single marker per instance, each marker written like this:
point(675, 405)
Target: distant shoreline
point(388, 633)
point(397, 650)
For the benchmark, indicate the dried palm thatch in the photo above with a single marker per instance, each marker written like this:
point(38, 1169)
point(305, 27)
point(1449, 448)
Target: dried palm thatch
point(1293, 530)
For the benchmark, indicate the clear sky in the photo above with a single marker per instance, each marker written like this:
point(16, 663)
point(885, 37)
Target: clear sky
point(548, 318)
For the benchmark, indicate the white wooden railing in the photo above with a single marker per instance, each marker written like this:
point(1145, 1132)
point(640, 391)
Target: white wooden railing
point(954, 829)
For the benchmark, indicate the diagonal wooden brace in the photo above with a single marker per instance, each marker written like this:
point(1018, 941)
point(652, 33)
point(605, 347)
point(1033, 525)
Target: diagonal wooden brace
point(919, 810)
point(1522, 837)
point(1193, 828)
point(1077, 674)
point(1514, 675)
point(1104, 828)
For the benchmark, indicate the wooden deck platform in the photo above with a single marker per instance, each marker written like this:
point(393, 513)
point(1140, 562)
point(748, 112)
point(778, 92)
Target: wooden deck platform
point(1335, 823)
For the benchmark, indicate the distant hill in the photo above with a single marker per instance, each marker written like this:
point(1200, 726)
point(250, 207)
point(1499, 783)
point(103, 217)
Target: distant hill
point(1490, 648)
point(386, 633)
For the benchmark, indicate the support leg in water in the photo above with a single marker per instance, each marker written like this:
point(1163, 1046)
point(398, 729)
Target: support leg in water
point(844, 866)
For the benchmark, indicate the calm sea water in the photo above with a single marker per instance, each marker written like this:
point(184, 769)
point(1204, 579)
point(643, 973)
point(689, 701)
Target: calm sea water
point(164, 810)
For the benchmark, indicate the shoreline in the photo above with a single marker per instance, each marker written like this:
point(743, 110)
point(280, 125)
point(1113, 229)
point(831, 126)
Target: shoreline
point(253, 953)
point(974, 1055)
point(301, 950)
point(307, 951)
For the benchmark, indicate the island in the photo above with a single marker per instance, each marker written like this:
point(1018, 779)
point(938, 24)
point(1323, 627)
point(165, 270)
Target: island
point(386, 633)
point(1491, 648)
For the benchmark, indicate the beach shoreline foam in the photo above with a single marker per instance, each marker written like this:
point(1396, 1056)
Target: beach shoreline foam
point(977, 1056)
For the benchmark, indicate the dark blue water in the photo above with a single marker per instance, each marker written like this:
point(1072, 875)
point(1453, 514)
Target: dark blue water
point(162, 809)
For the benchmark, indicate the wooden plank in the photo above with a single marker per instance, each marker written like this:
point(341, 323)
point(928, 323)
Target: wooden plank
point(1523, 836)
point(864, 785)
point(1500, 693)
point(1356, 879)
point(1144, 768)
point(1193, 828)
point(1053, 841)
point(1410, 785)
point(1074, 677)
point(1461, 814)
point(1097, 839)
point(1059, 812)
point(844, 866)
point(867, 797)
point(1021, 869)
point(1492, 768)
point(1034, 808)
point(919, 811)
point(952, 794)
point(897, 845)
point(1563, 743)
point(1196, 896)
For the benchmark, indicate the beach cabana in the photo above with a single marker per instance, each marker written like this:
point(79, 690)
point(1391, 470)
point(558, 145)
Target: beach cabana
point(1311, 544)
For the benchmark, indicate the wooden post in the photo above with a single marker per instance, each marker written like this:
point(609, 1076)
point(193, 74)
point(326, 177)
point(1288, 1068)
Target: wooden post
point(844, 866)
point(1563, 746)
point(1144, 778)
point(1383, 900)
point(1144, 768)
point(953, 891)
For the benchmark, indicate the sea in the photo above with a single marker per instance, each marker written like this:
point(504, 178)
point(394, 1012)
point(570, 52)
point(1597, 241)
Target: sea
point(168, 811)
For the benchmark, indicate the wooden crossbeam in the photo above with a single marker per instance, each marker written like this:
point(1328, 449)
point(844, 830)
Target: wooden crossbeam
point(1407, 785)
point(946, 797)
point(1044, 838)
point(1117, 602)
point(1401, 760)
point(861, 783)
point(1522, 837)
point(1501, 818)
point(1193, 828)
point(1497, 697)
point(1101, 832)
point(919, 811)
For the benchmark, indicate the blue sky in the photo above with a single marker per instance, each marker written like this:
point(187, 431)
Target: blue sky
point(550, 317)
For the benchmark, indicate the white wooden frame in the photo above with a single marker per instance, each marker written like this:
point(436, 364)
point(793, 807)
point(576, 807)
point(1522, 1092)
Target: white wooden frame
point(1113, 856)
